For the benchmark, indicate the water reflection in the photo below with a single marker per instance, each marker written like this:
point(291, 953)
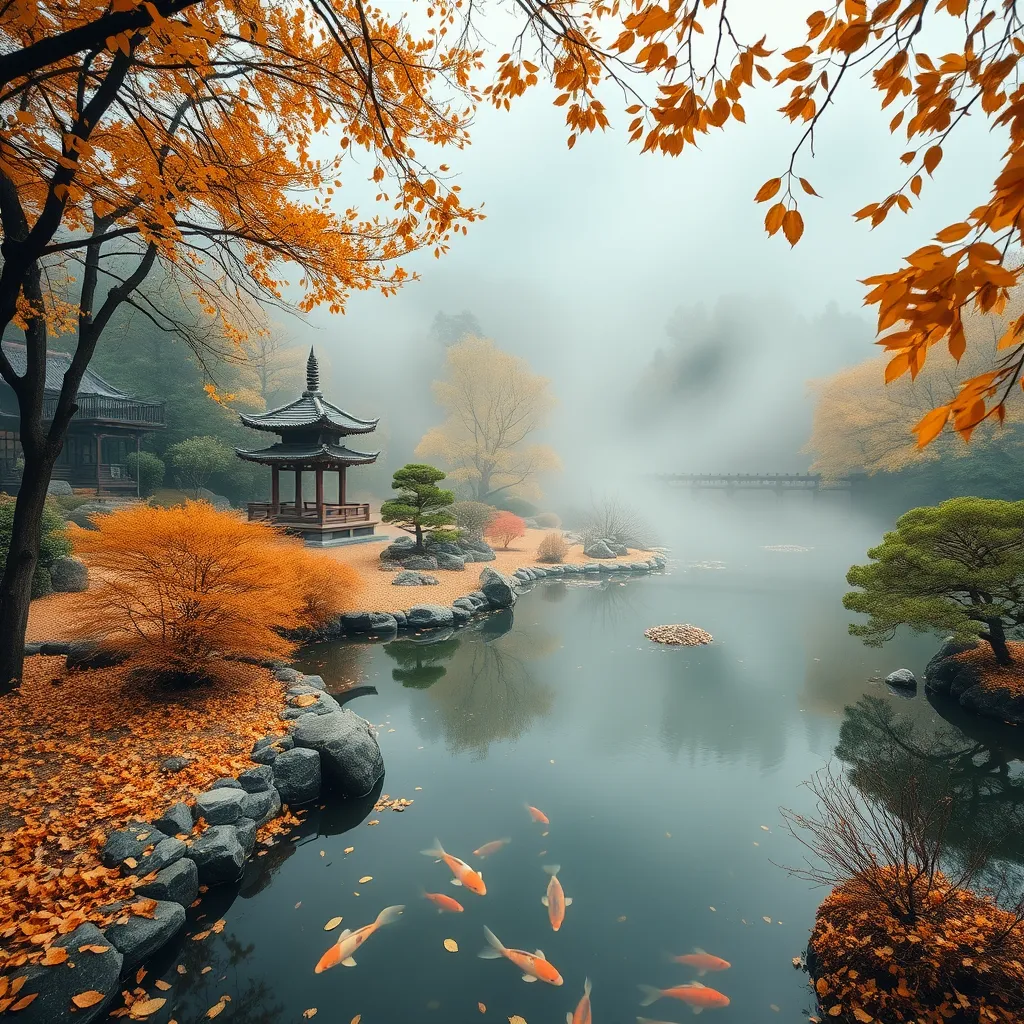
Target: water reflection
point(884, 748)
point(420, 662)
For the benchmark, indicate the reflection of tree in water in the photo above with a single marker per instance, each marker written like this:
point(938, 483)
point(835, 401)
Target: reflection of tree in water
point(341, 663)
point(485, 691)
point(986, 786)
point(419, 664)
point(608, 602)
point(553, 591)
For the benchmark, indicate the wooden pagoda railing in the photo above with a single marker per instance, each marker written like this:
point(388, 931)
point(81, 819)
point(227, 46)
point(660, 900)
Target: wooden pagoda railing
point(286, 512)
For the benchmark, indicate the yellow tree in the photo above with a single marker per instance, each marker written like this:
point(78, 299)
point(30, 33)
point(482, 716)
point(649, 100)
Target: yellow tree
point(494, 403)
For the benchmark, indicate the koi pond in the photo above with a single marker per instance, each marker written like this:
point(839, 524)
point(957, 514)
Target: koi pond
point(661, 771)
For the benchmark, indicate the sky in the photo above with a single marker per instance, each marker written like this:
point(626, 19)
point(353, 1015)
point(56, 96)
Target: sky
point(585, 254)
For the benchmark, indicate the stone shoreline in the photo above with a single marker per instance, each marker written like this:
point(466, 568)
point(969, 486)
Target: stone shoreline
point(327, 747)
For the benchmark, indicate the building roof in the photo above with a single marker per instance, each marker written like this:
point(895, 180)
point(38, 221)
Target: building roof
point(317, 453)
point(310, 411)
point(57, 364)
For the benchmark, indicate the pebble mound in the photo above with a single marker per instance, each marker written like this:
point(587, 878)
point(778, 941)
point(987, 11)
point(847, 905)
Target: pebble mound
point(683, 634)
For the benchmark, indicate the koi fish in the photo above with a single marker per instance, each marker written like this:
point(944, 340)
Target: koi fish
point(556, 901)
point(704, 962)
point(464, 874)
point(538, 815)
point(349, 941)
point(533, 965)
point(582, 1014)
point(488, 848)
point(698, 996)
point(443, 902)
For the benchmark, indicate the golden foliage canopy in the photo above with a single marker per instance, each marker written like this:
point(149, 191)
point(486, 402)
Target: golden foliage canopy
point(184, 587)
point(494, 403)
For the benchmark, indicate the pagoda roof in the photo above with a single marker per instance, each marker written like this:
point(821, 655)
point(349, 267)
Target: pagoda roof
point(309, 411)
point(319, 453)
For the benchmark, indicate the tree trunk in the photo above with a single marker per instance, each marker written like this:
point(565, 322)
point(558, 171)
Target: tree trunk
point(419, 538)
point(997, 638)
point(22, 558)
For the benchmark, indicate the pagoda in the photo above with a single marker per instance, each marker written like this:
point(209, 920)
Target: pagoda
point(311, 431)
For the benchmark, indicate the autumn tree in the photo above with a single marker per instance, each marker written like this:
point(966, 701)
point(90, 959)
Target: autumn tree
point(183, 588)
point(494, 405)
point(504, 528)
point(420, 505)
point(954, 568)
point(277, 367)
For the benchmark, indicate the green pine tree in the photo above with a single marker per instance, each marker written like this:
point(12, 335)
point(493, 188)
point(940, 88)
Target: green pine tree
point(420, 504)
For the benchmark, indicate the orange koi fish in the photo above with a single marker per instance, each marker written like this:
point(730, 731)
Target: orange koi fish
point(488, 848)
point(443, 902)
point(538, 815)
point(704, 962)
point(464, 874)
point(698, 996)
point(533, 965)
point(582, 1014)
point(556, 901)
point(349, 941)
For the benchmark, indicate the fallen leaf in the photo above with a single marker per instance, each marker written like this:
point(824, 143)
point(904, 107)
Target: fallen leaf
point(451, 945)
point(218, 926)
point(765, 828)
point(162, 985)
point(621, 918)
point(206, 970)
point(217, 1008)
point(356, 1019)
point(142, 1008)
point(366, 878)
point(836, 1010)
point(711, 908)
point(767, 920)
point(54, 955)
point(311, 1012)
point(139, 975)
point(376, 821)
point(131, 862)
point(796, 962)
point(481, 1007)
point(419, 789)
point(25, 1001)
point(862, 1015)
point(516, 1019)
point(93, 948)
point(774, 1008)
point(181, 969)
point(86, 999)
point(349, 849)
point(332, 924)
point(199, 936)
point(299, 904)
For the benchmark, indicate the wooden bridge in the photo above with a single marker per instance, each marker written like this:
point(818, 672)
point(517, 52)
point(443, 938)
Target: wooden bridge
point(776, 483)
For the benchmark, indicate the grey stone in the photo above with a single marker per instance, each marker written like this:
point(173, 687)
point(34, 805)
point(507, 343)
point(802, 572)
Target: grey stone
point(639, 566)
point(524, 575)
point(398, 549)
point(177, 819)
point(82, 516)
point(266, 750)
point(324, 706)
point(451, 562)
point(286, 675)
point(54, 986)
point(256, 805)
point(598, 549)
point(369, 622)
point(444, 547)
point(347, 749)
point(466, 604)
point(246, 829)
point(298, 689)
point(274, 810)
point(124, 842)
point(420, 562)
point(62, 488)
point(178, 882)
point(226, 782)
point(216, 500)
point(539, 573)
point(69, 575)
point(500, 590)
point(997, 702)
point(32, 649)
point(429, 616)
point(86, 654)
point(257, 780)
point(297, 771)
point(220, 806)
point(480, 556)
point(140, 937)
point(460, 616)
point(218, 854)
point(591, 567)
point(315, 681)
point(553, 570)
point(901, 677)
point(401, 620)
point(407, 578)
point(963, 680)
point(950, 646)
point(175, 763)
point(164, 854)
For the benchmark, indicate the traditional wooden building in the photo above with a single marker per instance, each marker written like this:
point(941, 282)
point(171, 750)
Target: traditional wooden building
point(108, 425)
point(311, 452)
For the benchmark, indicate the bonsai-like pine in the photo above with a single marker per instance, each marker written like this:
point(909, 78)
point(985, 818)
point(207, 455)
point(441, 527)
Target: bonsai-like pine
point(957, 567)
point(420, 504)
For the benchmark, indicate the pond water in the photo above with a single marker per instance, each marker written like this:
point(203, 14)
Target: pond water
point(661, 769)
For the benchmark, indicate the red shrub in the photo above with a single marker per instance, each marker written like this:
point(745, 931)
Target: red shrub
point(504, 528)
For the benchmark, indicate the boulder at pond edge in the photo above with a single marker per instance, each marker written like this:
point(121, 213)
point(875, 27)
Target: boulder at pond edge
point(350, 756)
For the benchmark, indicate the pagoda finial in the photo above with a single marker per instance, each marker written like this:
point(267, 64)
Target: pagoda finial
point(312, 373)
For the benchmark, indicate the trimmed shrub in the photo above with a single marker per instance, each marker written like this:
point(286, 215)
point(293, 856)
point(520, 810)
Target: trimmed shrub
point(147, 469)
point(504, 528)
point(473, 517)
point(517, 506)
point(553, 548)
point(55, 543)
point(548, 520)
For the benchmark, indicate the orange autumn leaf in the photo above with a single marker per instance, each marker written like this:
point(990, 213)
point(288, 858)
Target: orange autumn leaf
point(54, 955)
point(143, 1008)
point(83, 1000)
point(767, 190)
point(23, 1002)
point(481, 1007)
point(792, 226)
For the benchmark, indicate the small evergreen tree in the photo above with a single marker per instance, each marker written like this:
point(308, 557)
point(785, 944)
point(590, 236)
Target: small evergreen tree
point(54, 544)
point(147, 469)
point(196, 459)
point(957, 567)
point(420, 504)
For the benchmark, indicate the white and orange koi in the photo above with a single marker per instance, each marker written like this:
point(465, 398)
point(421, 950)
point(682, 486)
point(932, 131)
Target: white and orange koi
point(464, 874)
point(533, 965)
point(556, 901)
point(349, 941)
point(582, 1014)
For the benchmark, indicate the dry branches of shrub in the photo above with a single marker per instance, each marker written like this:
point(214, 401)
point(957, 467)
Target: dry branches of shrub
point(472, 517)
point(548, 520)
point(612, 519)
point(327, 586)
point(183, 588)
point(552, 548)
point(906, 933)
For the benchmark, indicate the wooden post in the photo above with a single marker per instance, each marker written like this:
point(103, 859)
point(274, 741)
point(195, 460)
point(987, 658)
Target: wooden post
point(138, 469)
point(320, 495)
point(99, 460)
point(298, 492)
point(341, 486)
point(275, 491)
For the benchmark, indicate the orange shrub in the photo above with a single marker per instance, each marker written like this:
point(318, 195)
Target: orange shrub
point(553, 548)
point(183, 587)
point(504, 528)
point(326, 586)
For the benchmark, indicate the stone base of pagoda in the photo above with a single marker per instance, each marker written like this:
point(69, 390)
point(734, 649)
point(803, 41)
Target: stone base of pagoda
point(331, 535)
